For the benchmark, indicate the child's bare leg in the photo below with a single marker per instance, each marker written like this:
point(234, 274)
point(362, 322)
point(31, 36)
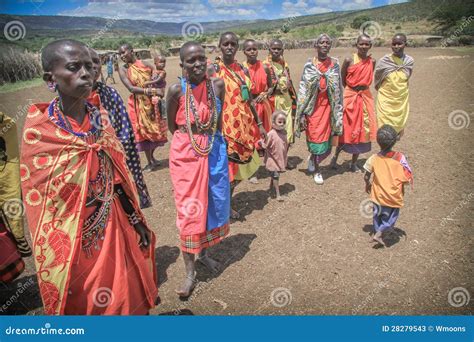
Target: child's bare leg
point(276, 185)
point(207, 261)
point(378, 238)
point(190, 280)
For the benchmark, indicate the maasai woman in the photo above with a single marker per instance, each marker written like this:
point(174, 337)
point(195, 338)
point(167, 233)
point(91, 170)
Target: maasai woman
point(150, 130)
point(198, 162)
point(284, 94)
point(320, 104)
point(239, 115)
point(359, 123)
point(94, 253)
point(391, 80)
point(13, 245)
point(261, 87)
point(112, 102)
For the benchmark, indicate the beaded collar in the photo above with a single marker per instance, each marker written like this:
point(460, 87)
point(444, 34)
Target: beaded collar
point(57, 116)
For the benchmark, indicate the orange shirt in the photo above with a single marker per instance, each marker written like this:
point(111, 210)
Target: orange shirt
point(389, 177)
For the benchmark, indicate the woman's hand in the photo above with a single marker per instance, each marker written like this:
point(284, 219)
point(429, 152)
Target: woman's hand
point(263, 133)
point(145, 237)
point(303, 123)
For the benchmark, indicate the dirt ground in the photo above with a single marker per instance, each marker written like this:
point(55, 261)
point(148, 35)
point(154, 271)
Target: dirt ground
point(310, 255)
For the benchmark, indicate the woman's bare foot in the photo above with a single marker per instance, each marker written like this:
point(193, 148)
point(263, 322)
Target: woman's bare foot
point(280, 199)
point(234, 214)
point(211, 264)
point(187, 287)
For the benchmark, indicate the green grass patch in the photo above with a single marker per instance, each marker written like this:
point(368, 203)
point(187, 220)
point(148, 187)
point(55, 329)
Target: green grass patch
point(11, 87)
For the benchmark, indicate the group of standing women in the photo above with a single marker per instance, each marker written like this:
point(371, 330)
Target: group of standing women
point(82, 182)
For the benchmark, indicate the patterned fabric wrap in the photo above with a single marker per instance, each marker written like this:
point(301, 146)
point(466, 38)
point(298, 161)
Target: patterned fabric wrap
point(56, 167)
point(309, 90)
point(141, 109)
point(10, 176)
point(238, 121)
point(276, 84)
point(113, 103)
point(386, 66)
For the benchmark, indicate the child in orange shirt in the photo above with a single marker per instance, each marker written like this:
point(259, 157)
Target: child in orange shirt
point(391, 172)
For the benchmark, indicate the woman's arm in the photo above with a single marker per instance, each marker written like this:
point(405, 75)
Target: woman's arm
point(134, 220)
point(219, 86)
point(345, 65)
point(172, 103)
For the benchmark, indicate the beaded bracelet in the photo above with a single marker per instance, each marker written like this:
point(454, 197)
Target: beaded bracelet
point(133, 218)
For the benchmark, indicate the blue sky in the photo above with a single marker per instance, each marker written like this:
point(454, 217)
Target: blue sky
point(185, 10)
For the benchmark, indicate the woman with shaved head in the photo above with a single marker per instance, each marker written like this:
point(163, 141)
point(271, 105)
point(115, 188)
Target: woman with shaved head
point(90, 238)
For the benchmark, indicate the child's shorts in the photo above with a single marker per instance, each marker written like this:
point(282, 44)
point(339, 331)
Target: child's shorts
point(275, 175)
point(385, 217)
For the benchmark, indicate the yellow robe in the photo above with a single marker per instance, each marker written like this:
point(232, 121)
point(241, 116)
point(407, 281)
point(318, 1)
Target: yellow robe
point(392, 105)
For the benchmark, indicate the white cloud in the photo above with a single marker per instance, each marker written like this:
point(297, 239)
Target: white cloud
point(232, 3)
point(391, 2)
point(157, 10)
point(304, 7)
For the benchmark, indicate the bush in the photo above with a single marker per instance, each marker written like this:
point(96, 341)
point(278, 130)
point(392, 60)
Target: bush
point(17, 65)
point(466, 40)
point(339, 28)
point(358, 21)
point(398, 27)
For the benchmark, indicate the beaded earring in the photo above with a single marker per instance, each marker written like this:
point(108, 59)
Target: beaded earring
point(52, 86)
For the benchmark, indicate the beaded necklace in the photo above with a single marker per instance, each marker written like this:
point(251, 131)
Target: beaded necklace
point(202, 126)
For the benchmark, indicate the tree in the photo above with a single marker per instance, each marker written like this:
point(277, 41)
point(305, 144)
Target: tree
point(358, 21)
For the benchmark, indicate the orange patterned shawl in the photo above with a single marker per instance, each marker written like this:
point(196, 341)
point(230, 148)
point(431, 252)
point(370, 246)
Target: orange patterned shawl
point(55, 167)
